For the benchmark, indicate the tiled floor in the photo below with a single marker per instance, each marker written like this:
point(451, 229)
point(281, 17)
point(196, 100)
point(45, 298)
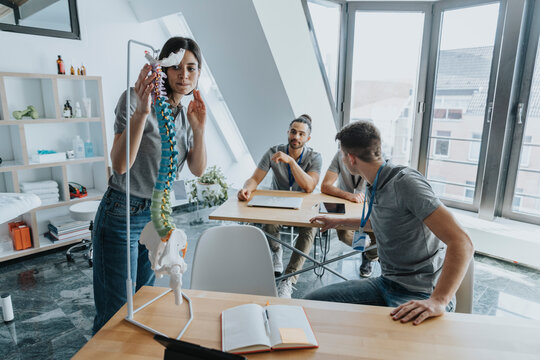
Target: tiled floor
point(53, 301)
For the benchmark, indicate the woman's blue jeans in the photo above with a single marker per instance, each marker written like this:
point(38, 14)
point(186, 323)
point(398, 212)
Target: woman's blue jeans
point(109, 246)
point(373, 291)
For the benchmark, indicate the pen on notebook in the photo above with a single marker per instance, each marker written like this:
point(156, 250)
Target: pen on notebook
point(266, 324)
point(314, 206)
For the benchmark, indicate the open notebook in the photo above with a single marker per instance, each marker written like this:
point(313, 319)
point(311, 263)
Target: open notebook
point(252, 328)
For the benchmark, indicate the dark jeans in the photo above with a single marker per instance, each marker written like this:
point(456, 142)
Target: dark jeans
point(373, 291)
point(109, 244)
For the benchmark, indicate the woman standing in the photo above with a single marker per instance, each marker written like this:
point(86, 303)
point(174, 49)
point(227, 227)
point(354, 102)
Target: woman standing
point(109, 234)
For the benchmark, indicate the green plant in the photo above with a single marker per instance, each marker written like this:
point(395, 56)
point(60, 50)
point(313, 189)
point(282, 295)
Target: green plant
point(207, 195)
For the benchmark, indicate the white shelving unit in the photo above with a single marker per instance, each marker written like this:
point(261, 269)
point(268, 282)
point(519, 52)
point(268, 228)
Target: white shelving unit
point(20, 139)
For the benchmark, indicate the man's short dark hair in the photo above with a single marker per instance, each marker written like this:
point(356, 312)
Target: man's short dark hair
point(304, 119)
point(361, 138)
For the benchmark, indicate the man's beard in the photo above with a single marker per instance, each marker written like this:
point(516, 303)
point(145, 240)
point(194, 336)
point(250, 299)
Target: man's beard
point(298, 145)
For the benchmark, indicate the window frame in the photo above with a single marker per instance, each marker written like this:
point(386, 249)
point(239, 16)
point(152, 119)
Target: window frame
point(436, 32)
point(524, 89)
point(418, 116)
point(74, 34)
point(337, 105)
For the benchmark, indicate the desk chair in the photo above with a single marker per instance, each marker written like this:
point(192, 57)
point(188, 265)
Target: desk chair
point(233, 258)
point(465, 292)
point(83, 211)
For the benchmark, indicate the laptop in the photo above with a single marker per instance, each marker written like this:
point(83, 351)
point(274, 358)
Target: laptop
point(283, 202)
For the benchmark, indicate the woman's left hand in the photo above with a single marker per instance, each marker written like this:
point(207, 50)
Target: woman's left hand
point(196, 112)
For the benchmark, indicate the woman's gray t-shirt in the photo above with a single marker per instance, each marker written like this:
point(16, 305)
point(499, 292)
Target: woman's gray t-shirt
point(311, 162)
point(410, 254)
point(145, 168)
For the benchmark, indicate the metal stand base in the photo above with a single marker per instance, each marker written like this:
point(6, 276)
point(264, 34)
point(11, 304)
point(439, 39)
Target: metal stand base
point(153, 331)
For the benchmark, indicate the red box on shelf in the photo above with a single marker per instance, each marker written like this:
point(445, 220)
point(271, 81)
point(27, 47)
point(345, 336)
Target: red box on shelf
point(20, 234)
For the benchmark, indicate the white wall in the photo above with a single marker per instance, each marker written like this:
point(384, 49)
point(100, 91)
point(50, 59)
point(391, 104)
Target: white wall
point(285, 26)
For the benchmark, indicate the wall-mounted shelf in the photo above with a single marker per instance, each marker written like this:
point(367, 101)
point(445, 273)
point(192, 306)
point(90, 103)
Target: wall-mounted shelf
point(20, 139)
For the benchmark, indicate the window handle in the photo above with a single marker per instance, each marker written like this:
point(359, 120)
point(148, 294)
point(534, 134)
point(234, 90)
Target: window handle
point(520, 113)
point(489, 112)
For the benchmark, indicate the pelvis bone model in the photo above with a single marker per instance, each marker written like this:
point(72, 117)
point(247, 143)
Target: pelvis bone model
point(161, 237)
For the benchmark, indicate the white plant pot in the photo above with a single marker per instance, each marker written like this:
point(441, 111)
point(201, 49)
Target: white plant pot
point(209, 188)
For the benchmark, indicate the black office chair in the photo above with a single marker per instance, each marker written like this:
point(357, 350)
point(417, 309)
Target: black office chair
point(83, 211)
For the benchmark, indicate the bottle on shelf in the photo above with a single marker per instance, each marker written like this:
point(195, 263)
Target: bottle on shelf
point(60, 65)
point(72, 70)
point(88, 148)
point(78, 111)
point(68, 111)
point(83, 70)
point(78, 147)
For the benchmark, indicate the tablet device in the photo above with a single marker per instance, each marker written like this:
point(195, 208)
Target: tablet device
point(332, 208)
point(178, 349)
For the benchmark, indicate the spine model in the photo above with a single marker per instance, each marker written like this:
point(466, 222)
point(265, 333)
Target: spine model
point(163, 240)
point(160, 208)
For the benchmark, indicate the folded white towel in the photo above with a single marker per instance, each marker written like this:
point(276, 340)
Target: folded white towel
point(34, 185)
point(49, 196)
point(49, 201)
point(49, 190)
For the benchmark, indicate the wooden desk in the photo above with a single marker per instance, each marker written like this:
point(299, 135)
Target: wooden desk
point(236, 210)
point(344, 331)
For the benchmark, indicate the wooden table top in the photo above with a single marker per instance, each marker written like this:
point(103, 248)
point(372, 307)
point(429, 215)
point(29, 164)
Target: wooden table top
point(344, 331)
point(236, 210)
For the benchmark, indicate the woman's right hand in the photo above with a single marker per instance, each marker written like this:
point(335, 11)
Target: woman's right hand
point(326, 222)
point(143, 89)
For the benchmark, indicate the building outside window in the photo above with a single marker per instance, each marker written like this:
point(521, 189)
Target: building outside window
point(442, 146)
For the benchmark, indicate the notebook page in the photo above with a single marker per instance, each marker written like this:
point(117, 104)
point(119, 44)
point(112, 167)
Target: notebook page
point(288, 317)
point(243, 326)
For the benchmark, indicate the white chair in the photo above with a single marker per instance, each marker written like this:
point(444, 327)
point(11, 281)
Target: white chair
point(234, 258)
point(465, 292)
point(83, 211)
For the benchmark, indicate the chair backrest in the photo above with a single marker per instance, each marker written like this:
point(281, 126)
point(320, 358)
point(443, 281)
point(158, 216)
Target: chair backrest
point(465, 292)
point(233, 258)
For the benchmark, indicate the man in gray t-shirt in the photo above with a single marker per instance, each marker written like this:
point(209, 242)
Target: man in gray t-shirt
point(423, 252)
point(296, 167)
point(349, 187)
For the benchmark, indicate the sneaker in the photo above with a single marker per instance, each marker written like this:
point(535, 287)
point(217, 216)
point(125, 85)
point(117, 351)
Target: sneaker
point(285, 289)
point(277, 260)
point(366, 268)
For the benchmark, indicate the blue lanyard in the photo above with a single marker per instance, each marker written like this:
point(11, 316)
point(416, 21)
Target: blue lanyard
point(291, 177)
point(363, 220)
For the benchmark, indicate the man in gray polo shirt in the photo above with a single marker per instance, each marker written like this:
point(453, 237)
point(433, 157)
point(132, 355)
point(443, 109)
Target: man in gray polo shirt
point(296, 167)
point(423, 252)
point(349, 187)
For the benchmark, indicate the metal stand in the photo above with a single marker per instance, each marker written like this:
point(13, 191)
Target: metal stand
point(129, 284)
point(317, 264)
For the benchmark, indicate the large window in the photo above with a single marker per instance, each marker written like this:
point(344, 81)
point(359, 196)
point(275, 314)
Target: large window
point(384, 76)
point(462, 80)
point(439, 81)
point(326, 20)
